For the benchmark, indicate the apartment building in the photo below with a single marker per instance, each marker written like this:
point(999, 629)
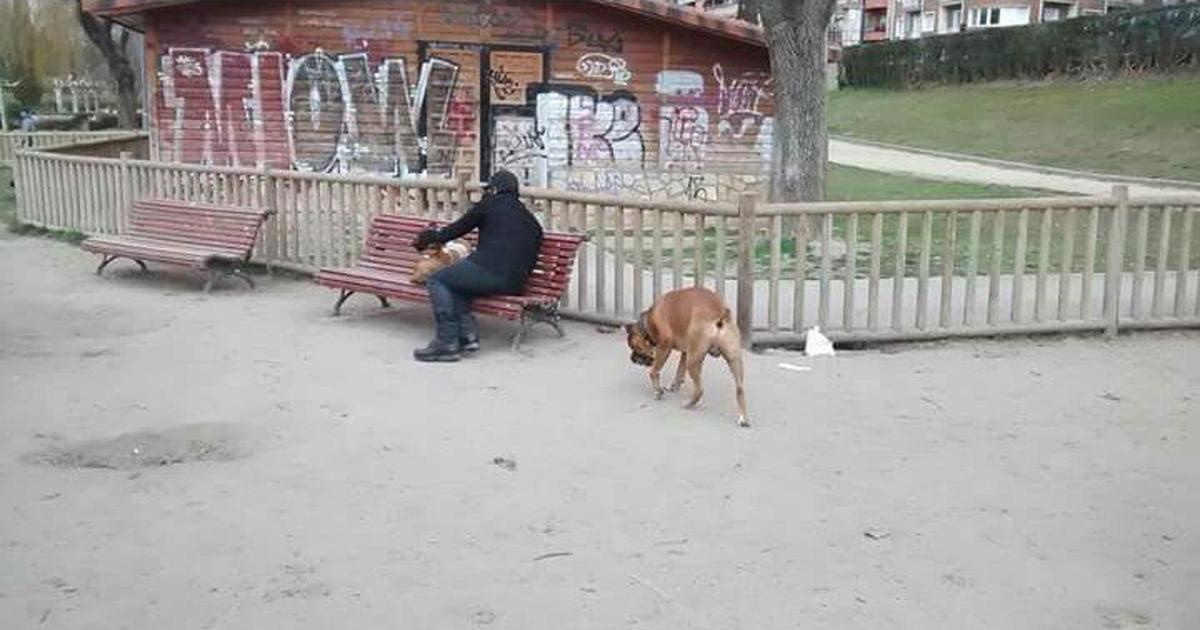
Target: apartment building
point(867, 21)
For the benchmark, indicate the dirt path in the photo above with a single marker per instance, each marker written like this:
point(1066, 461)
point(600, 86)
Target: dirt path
point(961, 168)
point(319, 478)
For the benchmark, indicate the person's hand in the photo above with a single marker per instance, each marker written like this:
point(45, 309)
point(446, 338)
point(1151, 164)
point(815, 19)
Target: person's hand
point(426, 238)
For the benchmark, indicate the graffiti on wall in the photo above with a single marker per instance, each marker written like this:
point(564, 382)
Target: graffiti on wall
point(316, 112)
point(740, 101)
point(351, 112)
point(582, 127)
point(683, 119)
point(510, 73)
point(658, 184)
point(602, 67)
point(582, 35)
point(519, 146)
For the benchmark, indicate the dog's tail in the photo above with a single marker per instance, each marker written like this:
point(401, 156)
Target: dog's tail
point(723, 323)
point(726, 318)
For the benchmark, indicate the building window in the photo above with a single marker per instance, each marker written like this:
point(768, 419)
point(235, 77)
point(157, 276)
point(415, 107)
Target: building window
point(983, 17)
point(929, 22)
point(1055, 12)
point(953, 18)
point(912, 24)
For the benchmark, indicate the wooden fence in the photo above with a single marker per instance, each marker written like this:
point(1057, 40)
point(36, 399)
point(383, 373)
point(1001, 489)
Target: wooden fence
point(862, 271)
point(13, 141)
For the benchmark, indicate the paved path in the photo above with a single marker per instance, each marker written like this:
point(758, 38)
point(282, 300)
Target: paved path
point(891, 160)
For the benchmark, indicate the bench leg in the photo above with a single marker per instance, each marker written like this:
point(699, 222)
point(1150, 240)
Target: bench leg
point(534, 315)
point(383, 301)
point(142, 264)
point(105, 260)
point(548, 315)
point(337, 306)
point(241, 275)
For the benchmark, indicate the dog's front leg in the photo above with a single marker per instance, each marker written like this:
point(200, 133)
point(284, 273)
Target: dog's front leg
point(660, 359)
point(680, 370)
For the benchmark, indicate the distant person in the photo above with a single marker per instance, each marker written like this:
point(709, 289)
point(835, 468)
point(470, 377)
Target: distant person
point(28, 125)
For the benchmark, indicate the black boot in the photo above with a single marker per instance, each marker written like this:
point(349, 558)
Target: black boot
point(468, 333)
point(445, 347)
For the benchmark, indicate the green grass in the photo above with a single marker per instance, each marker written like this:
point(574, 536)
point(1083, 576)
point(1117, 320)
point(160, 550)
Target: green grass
point(846, 183)
point(853, 184)
point(939, 227)
point(1131, 127)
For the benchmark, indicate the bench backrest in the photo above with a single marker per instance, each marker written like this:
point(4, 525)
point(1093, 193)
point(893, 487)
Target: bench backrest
point(389, 247)
point(229, 229)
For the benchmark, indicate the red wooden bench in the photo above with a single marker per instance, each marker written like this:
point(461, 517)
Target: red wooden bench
point(388, 259)
point(217, 239)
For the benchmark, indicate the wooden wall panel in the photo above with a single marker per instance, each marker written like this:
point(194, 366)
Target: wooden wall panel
point(623, 103)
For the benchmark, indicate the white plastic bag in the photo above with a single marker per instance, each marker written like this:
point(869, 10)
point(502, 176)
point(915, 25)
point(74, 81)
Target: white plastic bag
point(816, 344)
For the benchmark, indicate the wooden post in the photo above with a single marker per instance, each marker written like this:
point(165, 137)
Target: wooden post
point(271, 227)
point(20, 188)
point(745, 271)
point(3, 112)
point(1115, 255)
point(460, 191)
point(125, 199)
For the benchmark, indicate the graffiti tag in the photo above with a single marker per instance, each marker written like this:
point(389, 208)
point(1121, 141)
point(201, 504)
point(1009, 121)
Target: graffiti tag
point(581, 35)
point(605, 67)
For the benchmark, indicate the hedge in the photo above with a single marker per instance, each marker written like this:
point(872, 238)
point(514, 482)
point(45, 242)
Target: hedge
point(1157, 40)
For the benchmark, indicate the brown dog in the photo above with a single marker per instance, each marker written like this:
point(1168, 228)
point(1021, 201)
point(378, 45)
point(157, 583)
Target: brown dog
point(695, 322)
point(439, 257)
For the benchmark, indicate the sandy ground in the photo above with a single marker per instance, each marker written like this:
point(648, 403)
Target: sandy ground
point(270, 466)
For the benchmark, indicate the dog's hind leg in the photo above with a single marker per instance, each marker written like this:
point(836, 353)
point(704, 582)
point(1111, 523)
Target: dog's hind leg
point(734, 358)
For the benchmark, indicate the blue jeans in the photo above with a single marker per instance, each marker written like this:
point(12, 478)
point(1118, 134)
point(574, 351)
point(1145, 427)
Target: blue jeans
point(451, 291)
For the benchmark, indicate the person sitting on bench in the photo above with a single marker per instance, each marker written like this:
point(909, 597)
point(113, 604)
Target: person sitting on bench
point(510, 238)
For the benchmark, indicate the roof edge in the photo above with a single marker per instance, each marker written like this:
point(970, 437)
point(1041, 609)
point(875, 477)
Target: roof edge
point(655, 9)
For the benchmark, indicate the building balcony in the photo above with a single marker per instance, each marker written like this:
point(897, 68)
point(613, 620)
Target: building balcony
point(875, 35)
point(873, 5)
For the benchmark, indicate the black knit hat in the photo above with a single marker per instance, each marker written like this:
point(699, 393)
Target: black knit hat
point(503, 182)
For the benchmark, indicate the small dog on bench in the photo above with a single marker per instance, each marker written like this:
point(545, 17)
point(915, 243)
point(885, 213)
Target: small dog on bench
point(437, 257)
point(695, 322)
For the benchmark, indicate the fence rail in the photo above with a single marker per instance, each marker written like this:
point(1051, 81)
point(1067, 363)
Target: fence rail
point(13, 141)
point(890, 270)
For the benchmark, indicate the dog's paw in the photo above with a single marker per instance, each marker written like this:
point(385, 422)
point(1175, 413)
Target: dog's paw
point(673, 387)
point(743, 422)
point(660, 393)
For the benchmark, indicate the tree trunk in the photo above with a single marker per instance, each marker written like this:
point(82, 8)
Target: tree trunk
point(796, 40)
point(127, 95)
point(113, 49)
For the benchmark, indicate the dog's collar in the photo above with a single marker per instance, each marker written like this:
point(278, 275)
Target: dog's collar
point(645, 330)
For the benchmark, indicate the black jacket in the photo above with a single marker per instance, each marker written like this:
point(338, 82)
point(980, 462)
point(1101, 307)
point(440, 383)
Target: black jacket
point(509, 237)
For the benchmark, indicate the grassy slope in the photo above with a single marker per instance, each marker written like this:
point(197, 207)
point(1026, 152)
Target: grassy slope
point(1148, 128)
